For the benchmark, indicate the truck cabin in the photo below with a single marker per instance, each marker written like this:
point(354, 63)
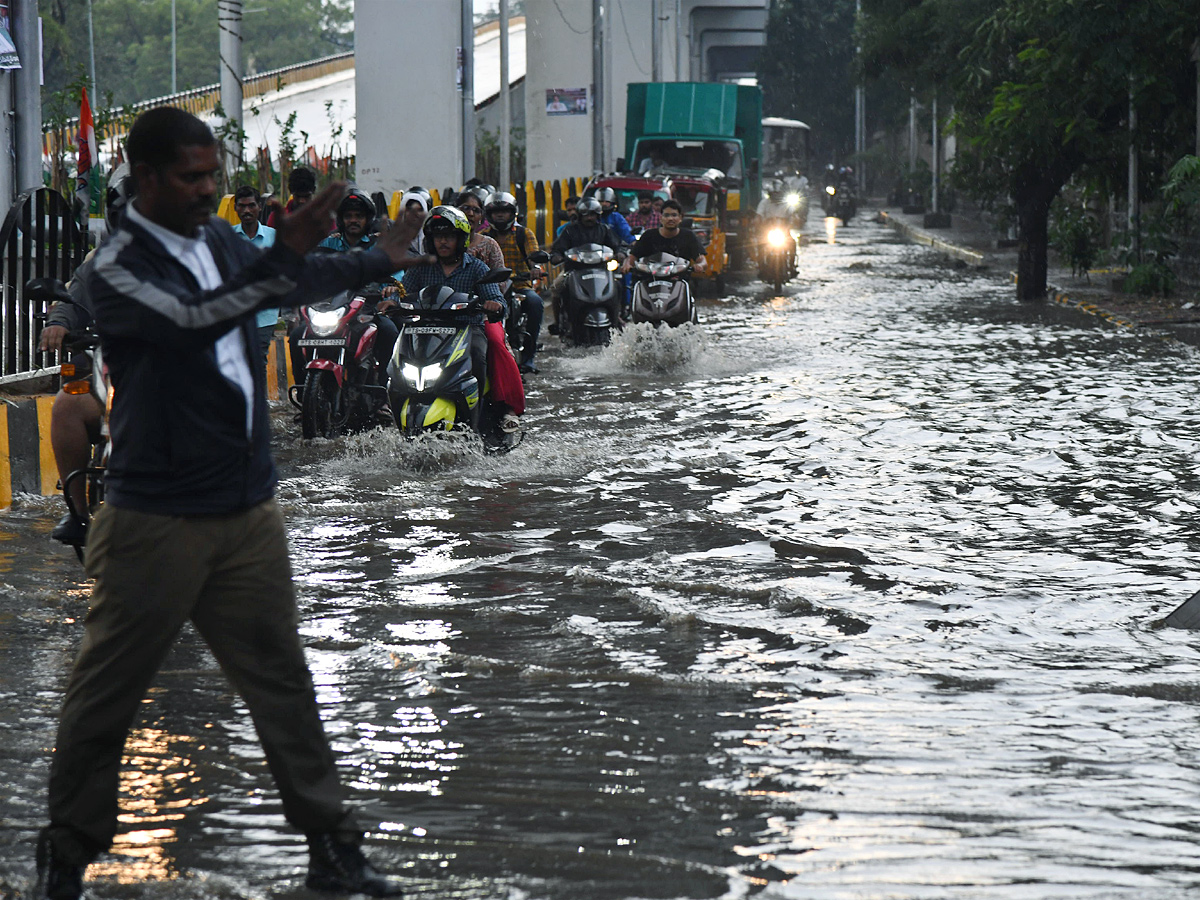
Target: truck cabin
point(658, 154)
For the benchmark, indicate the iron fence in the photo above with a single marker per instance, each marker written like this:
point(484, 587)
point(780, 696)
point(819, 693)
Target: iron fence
point(40, 239)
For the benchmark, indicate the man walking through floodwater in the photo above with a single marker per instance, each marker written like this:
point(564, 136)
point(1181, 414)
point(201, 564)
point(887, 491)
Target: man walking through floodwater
point(190, 529)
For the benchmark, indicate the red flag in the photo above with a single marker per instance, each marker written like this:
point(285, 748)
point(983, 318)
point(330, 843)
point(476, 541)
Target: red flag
point(87, 166)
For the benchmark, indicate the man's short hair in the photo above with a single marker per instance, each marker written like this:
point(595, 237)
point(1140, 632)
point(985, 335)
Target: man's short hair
point(301, 180)
point(672, 204)
point(247, 191)
point(158, 133)
point(573, 199)
point(645, 195)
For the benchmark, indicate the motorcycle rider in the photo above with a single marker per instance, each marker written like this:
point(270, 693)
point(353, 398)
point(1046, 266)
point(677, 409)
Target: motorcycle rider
point(611, 216)
point(645, 216)
point(670, 237)
point(75, 419)
point(586, 229)
point(446, 232)
point(517, 242)
point(355, 232)
point(416, 197)
point(774, 208)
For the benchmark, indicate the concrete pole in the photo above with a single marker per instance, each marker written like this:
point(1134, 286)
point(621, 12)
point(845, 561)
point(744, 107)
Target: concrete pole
point(28, 95)
point(468, 90)
point(933, 199)
point(860, 120)
point(912, 132)
point(505, 104)
point(7, 139)
point(598, 93)
point(229, 23)
point(1133, 211)
point(655, 42)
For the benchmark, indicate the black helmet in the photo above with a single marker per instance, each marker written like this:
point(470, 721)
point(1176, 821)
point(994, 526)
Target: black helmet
point(475, 191)
point(447, 220)
point(502, 200)
point(588, 205)
point(118, 195)
point(356, 199)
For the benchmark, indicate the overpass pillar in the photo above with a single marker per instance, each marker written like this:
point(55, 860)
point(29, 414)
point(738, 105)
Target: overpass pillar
point(558, 64)
point(409, 128)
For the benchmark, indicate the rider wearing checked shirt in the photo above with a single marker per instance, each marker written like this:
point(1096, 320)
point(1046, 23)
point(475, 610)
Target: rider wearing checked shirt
point(446, 232)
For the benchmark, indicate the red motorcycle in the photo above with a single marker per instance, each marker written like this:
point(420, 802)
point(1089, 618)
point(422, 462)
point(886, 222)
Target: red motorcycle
point(342, 390)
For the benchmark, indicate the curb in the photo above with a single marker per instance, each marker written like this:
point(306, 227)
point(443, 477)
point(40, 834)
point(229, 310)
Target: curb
point(1063, 299)
point(920, 236)
point(26, 457)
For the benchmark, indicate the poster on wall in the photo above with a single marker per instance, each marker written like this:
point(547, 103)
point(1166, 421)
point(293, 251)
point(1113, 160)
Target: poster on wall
point(566, 102)
point(8, 50)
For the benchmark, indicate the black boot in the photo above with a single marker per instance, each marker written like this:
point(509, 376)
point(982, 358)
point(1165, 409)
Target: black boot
point(57, 879)
point(338, 866)
point(70, 530)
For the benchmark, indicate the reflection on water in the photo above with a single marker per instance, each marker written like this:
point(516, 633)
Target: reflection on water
point(831, 227)
point(842, 594)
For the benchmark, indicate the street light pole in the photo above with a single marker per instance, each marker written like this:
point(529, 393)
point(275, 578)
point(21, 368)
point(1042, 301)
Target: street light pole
point(597, 86)
point(505, 104)
point(92, 51)
point(655, 43)
point(174, 57)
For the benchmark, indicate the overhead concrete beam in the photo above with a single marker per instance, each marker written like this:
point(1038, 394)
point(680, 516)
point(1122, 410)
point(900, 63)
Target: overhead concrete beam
point(742, 45)
point(709, 15)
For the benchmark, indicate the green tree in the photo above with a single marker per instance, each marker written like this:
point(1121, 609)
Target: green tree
point(1041, 91)
point(133, 41)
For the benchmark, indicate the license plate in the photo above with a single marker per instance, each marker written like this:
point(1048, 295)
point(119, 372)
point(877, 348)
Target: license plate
point(321, 342)
point(429, 329)
point(661, 285)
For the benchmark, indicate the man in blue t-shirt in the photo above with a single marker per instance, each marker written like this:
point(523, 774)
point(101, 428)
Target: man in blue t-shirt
point(247, 203)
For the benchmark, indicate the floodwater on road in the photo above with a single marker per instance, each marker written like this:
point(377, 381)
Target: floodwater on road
point(846, 593)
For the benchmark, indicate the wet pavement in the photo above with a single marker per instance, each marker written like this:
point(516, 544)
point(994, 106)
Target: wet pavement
point(846, 593)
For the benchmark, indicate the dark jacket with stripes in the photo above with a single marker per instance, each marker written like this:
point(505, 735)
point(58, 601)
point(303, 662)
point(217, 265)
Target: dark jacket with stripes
point(179, 442)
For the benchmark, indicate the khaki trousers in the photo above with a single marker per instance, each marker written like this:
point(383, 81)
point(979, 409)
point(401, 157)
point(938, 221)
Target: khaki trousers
point(230, 576)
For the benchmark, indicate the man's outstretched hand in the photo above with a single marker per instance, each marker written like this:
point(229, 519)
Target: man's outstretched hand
point(395, 240)
point(304, 228)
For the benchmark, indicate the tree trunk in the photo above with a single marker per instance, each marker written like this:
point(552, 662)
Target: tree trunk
point(1036, 185)
point(1033, 219)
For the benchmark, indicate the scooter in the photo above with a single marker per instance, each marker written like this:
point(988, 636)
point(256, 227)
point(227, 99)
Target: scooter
point(516, 326)
point(341, 390)
point(589, 291)
point(777, 254)
point(432, 387)
point(661, 294)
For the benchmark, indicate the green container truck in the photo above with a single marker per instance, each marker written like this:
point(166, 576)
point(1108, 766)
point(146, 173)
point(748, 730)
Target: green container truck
point(700, 126)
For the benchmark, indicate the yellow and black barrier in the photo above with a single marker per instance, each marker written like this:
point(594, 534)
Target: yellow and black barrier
point(27, 458)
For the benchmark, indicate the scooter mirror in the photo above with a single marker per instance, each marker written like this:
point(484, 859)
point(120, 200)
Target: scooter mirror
point(496, 277)
point(539, 256)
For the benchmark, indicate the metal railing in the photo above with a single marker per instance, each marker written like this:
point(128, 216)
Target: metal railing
point(39, 239)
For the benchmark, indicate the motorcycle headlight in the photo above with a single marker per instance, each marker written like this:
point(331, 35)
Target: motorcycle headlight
point(324, 322)
point(830, 190)
point(419, 377)
point(776, 237)
point(613, 265)
point(792, 200)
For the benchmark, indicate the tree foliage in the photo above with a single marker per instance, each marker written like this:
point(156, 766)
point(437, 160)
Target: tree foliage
point(133, 41)
point(1041, 91)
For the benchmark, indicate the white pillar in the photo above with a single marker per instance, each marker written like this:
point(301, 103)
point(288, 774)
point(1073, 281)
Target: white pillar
point(408, 129)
